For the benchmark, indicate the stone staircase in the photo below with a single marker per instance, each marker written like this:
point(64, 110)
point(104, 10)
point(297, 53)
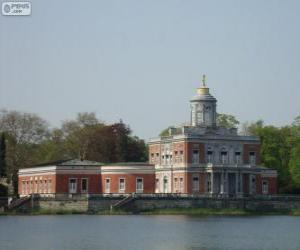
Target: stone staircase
point(17, 203)
point(122, 202)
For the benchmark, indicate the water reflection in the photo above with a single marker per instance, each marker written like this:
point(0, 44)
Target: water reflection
point(149, 232)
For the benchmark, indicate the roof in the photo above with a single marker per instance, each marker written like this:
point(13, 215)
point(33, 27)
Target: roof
point(129, 164)
point(70, 162)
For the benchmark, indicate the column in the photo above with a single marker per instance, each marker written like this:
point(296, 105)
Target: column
point(236, 182)
point(241, 184)
point(211, 182)
point(226, 188)
point(222, 182)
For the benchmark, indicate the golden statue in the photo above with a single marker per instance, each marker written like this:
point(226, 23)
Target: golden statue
point(204, 80)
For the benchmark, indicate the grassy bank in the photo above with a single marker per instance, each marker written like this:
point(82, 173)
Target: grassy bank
point(166, 211)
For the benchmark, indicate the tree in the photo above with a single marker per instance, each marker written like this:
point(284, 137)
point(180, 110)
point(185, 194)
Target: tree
point(252, 128)
point(227, 121)
point(78, 134)
point(24, 132)
point(3, 172)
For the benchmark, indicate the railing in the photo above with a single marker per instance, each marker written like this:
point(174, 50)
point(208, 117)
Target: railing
point(18, 202)
point(67, 196)
point(122, 202)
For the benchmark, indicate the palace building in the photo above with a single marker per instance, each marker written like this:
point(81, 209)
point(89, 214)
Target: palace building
point(201, 158)
point(206, 158)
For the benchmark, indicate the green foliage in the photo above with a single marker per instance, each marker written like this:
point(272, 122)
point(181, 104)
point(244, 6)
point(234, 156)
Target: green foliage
point(227, 121)
point(28, 141)
point(280, 150)
point(3, 172)
point(165, 132)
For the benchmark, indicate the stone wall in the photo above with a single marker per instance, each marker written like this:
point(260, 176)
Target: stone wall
point(97, 204)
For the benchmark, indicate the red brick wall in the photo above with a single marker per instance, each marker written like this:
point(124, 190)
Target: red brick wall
point(195, 146)
point(258, 184)
point(178, 147)
point(272, 181)
point(130, 182)
point(178, 176)
point(272, 185)
point(202, 182)
point(36, 185)
point(247, 148)
point(154, 149)
point(94, 182)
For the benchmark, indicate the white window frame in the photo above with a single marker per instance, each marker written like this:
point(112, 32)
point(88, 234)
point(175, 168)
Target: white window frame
point(87, 186)
point(181, 185)
point(69, 185)
point(195, 187)
point(50, 186)
point(139, 190)
point(195, 156)
point(23, 187)
point(238, 157)
point(123, 189)
point(252, 158)
point(107, 187)
point(265, 187)
point(165, 184)
point(157, 182)
point(176, 184)
point(224, 157)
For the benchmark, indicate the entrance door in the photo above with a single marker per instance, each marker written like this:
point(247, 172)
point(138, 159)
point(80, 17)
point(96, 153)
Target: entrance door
point(72, 186)
point(165, 184)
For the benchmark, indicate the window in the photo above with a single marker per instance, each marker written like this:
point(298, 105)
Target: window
point(157, 184)
point(107, 185)
point(265, 187)
point(195, 183)
point(50, 186)
point(208, 182)
point(224, 157)
point(45, 186)
point(176, 183)
point(84, 185)
point(121, 185)
point(209, 156)
point(237, 157)
point(165, 184)
point(72, 186)
point(195, 158)
point(181, 185)
point(23, 187)
point(139, 184)
point(31, 187)
point(252, 158)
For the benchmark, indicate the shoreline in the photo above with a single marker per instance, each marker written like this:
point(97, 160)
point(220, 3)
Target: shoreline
point(200, 212)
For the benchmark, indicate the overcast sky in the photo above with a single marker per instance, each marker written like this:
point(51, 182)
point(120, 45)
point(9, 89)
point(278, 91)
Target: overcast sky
point(141, 61)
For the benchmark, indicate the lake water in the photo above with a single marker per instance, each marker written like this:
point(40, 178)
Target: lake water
point(148, 232)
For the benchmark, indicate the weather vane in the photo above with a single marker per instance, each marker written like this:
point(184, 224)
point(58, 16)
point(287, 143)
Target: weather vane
point(204, 80)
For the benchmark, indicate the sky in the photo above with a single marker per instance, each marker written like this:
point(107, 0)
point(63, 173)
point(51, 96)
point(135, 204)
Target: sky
point(141, 61)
